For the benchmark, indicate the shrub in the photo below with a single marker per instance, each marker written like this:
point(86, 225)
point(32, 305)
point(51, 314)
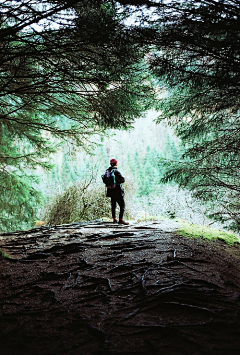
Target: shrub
point(80, 202)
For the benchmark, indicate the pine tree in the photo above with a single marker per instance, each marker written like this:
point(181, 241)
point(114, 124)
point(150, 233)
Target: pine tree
point(197, 61)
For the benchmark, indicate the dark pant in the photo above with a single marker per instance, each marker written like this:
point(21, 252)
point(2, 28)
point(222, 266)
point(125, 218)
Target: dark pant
point(121, 203)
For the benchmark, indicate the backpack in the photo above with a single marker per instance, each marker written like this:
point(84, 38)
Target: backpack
point(109, 179)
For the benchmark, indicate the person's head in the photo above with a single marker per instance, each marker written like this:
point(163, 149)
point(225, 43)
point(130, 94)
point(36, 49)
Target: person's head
point(113, 162)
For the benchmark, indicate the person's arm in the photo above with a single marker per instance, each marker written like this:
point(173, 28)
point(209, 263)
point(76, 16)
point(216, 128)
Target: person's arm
point(119, 178)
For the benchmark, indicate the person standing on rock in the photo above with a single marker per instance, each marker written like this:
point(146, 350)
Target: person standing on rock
point(115, 191)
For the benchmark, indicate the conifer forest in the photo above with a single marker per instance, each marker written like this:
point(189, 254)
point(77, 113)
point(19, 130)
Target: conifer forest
point(153, 83)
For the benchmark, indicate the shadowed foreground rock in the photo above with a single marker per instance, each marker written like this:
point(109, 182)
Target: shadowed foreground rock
point(102, 289)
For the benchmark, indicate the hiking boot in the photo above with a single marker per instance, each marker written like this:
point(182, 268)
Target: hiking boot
point(121, 221)
point(115, 220)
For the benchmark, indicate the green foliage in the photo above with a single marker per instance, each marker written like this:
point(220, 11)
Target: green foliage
point(91, 72)
point(196, 231)
point(18, 195)
point(4, 255)
point(61, 82)
point(195, 59)
point(149, 170)
point(20, 153)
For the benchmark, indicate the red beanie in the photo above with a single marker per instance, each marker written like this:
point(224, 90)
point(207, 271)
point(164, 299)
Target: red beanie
point(113, 161)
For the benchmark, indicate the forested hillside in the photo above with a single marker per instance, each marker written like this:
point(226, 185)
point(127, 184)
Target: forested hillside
point(141, 152)
point(138, 151)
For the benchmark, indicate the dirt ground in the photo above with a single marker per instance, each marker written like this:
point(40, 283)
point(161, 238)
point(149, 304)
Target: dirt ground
point(102, 289)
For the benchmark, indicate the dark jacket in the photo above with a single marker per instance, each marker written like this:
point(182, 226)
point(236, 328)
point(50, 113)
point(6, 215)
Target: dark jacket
point(118, 191)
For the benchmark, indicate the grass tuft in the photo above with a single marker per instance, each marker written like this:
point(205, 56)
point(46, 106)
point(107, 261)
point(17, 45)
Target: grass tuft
point(199, 232)
point(4, 255)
